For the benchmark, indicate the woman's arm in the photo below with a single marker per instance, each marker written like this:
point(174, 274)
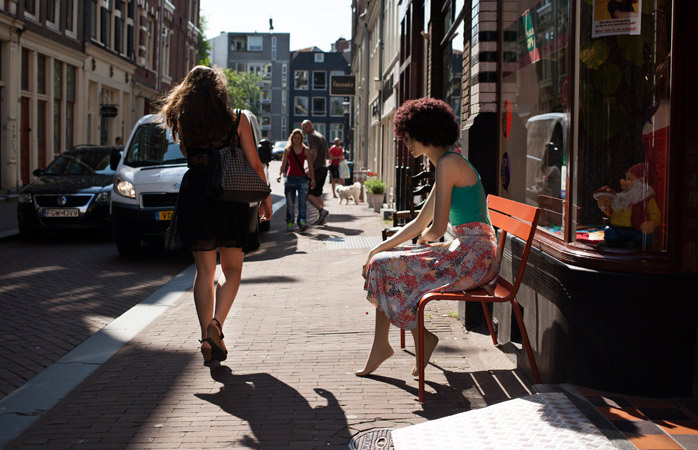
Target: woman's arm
point(409, 231)
point(248, 147)
point(284, 161)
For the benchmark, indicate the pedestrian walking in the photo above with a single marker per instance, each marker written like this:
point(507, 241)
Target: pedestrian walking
point(198, 112)
point(336, 156)
point(319, 152)
point(397, 279)
point(293, 166)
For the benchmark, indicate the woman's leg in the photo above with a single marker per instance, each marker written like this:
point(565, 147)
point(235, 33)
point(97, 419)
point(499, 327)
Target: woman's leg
point(290, 191)
point(334, 184)
point(203, 288)
point(228, 283)
point(430, 341)
point(381, 349)
point(302, 200)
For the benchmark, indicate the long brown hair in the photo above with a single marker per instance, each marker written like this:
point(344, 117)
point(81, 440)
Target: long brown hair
point(197, 109)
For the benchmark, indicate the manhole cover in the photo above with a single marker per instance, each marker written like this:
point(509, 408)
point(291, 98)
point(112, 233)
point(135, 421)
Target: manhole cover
point(375, 439)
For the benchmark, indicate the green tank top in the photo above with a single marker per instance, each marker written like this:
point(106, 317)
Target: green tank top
point(468, 204)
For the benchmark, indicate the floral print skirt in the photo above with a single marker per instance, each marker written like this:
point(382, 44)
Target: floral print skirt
point(397, 279)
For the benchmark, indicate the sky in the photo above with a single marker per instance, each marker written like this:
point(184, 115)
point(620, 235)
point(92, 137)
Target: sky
point(310, 22)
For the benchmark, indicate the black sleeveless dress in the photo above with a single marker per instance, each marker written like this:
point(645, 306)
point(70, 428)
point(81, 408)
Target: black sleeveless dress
point(204, 223)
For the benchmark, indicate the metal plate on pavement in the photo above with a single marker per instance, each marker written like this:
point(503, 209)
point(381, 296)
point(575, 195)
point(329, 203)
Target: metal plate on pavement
point(374, 439)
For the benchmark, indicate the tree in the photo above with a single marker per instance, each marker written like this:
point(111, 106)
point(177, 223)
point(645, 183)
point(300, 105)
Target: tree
point(204, 45)
point(243, 90)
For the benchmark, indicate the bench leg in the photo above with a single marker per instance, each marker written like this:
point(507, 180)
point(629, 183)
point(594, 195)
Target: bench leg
point(488, 319)
point(526, 342)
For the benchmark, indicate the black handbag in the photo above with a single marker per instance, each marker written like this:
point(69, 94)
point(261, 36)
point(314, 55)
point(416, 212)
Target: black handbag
point(230, 176)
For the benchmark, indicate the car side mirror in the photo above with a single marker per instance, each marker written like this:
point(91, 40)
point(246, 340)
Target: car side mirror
point(114, 158)
point(38, 172)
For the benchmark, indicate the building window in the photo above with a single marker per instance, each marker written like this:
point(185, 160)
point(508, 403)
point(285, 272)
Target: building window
point(300, 80)
point(41, 132)
point(319, 57)
point(254, 43)
point(31, 9)
point(52, 14)
point(166, 38)
point(283, 127)
point(320, 127)
point(255, 69)
point(241, 67)
point(69, 104)
point(273, 48)
point(93, 19)
point(284, 75)
point(41, 74)
point(300, 106)
point(336, 108)
point(266, 122)
point(265, 95)
point(336, 131)
point(283, 101)
point(266, 108)
point(57, 104)
point(118, 36)
point(70, 17)
point(25, 70)
point(105, 27)
point(237, 44)
point(319, 80)
point(319, 106)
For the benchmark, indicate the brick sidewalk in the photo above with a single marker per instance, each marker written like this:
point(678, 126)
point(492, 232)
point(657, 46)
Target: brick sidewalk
point(298, 329)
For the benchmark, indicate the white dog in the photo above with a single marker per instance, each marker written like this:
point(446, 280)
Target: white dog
point(349, 192)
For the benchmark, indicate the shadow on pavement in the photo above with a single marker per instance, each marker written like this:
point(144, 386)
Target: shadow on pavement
point(276, 412)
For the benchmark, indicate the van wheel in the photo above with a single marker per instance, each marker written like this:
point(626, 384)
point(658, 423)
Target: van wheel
point(128, 246)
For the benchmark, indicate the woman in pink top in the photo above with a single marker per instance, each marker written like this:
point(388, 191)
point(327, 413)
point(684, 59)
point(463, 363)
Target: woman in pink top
point(336, 155)
point(293, 166)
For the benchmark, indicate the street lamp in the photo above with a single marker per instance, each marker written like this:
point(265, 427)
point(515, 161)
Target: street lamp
point(346, 106)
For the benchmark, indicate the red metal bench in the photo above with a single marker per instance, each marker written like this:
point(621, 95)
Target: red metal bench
point(509, 217)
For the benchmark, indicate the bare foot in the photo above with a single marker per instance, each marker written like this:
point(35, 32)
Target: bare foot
point(375, 359)
point(430, 341)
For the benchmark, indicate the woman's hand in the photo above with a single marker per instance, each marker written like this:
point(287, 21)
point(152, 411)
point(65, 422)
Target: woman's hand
point(312, 184)
point(278, 179)
point(265, 210)
point(371, 254)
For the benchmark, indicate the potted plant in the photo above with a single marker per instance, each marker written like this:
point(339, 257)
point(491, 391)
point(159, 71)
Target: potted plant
point(376, 191)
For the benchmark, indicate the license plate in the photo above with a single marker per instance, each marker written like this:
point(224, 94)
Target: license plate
point(61, 212)
point(163, 215)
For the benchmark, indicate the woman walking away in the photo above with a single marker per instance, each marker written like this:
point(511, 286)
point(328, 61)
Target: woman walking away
point(397, 278)
point(292, 164)
point(198, 113)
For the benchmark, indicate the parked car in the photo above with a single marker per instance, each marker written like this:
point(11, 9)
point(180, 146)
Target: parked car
point(278, 152)
point(146, 186)
point(72, 192)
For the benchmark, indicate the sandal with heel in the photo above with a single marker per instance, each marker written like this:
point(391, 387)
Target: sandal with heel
point(215, 338)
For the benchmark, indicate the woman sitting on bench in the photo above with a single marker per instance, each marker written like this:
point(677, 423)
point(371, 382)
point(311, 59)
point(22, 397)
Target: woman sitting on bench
point(396, 279)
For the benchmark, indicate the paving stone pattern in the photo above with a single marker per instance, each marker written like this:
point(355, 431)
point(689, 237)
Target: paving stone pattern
point(299, 328)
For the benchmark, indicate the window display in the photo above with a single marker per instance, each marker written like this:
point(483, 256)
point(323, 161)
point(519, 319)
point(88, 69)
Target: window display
point(623, 147)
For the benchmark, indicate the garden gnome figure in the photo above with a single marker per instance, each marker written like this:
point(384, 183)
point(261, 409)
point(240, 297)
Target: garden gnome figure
point(633, 212)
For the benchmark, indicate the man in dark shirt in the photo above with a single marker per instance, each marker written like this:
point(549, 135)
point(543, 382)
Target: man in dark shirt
point(319, 151)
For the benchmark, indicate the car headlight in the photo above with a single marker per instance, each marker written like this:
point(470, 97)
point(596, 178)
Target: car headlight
point(124, 187)
point(103, 197)
point(25, 197)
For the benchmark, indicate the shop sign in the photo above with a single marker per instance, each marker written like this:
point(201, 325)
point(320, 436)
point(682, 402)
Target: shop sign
point(533, 52)
point(342, 85)
point(108, 111)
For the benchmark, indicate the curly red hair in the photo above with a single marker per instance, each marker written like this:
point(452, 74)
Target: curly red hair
point(427, 120)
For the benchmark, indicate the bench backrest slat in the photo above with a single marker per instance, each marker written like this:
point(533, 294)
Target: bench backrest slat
point(516, 218)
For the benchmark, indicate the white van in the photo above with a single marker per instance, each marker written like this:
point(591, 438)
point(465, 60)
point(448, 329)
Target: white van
point(146, 186)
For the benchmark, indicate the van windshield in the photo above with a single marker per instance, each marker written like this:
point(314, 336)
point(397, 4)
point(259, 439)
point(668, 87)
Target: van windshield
point(152, 145)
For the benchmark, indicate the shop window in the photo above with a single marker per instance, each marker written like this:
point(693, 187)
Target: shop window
point(535, 109)
point(623, 148)
point(607, 190)
point(300, 80)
